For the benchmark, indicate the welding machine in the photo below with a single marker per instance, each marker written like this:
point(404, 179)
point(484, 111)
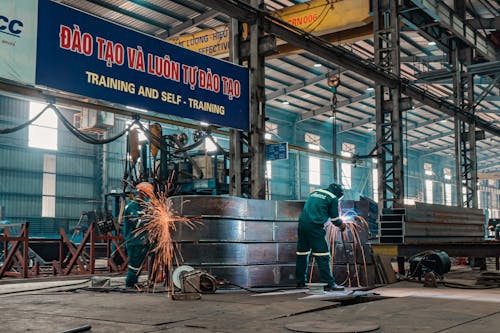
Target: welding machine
point(435, 262)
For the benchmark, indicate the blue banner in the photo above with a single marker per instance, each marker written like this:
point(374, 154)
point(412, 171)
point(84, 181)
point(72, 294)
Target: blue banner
point(85, 55)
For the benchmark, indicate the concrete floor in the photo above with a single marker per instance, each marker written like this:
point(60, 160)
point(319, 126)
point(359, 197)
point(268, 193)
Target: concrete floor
point(412, 308)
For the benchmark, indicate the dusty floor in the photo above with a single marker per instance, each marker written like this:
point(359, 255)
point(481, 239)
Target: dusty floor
point(411, 308)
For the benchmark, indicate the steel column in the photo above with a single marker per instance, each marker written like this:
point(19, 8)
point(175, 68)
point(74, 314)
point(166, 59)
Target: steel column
point(388, 108)
point(235, 144)
point(465, 132)
point(257, 147)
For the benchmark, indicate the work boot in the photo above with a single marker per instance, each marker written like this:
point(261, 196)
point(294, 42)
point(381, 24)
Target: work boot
point(334, 287)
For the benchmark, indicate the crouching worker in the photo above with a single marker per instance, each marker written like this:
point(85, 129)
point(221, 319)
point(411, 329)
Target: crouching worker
point(137, 244)
point(321, 205)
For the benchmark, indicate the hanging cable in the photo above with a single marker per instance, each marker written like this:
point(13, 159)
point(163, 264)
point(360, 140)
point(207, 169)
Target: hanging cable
point(72, 129)
point(20, 127)
point(87, 138)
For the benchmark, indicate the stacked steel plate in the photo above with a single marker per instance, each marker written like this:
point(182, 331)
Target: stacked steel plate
point(247, 242)
point(426, 223)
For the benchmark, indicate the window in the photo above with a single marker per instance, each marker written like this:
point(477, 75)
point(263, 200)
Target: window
point(447, 173)
point(428, 169)
point(409, 201)
point(346, 175)
point(209, 145)
point(464, 195)
point(429, 193)
point(375, 184)
point(43, 131)
point(447, 194)
point(348, 149)
point(49, 186)
point(313, 141)
point(314, 170)
point(269, 170)
point(271, 130)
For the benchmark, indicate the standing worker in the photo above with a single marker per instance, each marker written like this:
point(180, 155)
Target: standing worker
point(321, 206)
point(137, 244)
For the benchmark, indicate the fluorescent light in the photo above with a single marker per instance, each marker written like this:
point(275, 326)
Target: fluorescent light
point(285, 102)
point(136, 109)
point(431, 44)
point(268, 136)
point(443, 121)
point(369, 89)
point(317, 65)
point(204, 124)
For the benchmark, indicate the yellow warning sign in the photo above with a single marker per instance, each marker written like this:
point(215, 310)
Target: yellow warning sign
point(212, 42)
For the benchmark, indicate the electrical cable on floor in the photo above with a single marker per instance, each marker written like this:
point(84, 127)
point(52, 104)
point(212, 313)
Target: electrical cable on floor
point(228, 283)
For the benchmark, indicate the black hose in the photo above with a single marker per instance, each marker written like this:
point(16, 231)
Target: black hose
point(87, 138)
point(20, 127)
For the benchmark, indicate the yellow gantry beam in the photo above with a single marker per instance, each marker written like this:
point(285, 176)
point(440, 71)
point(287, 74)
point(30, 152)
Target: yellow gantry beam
point(339, 21)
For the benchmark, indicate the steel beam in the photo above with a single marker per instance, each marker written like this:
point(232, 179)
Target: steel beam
point(131, 14)
point(429, 138)
point(303, 84)
point(437, 150)
point(485, 23)
point(328, 108)
point(344, 58)
point(438, 21)
point(178, 29)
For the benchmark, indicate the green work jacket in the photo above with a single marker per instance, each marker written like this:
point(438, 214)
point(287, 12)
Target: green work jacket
point(134, 220)
point(319, 207)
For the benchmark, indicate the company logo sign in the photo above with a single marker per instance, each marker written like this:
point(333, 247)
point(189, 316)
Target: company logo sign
point(13, 27)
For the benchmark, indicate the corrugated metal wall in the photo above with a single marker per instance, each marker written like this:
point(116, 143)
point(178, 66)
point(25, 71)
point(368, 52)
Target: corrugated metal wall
point(21, 174)
point(78, 173)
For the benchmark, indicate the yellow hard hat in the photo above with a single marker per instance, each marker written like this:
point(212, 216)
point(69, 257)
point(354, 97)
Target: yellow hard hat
point(146, 188)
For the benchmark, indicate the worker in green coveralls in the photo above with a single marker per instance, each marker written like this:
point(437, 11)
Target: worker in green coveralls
point(320, 207)
point(137, 244)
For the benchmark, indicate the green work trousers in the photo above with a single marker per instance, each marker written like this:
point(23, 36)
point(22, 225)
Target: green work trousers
point(311, 237)
point(136, 257)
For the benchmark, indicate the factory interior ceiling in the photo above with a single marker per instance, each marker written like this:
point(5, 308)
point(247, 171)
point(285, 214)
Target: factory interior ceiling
point(296, 79)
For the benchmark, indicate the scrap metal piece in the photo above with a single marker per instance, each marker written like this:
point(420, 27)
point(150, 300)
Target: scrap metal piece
point(78, 329)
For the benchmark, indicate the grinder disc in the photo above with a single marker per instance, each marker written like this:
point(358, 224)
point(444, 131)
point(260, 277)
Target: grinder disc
point(177, 273)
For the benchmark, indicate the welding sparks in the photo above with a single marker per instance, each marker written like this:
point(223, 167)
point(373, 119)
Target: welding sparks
point(162, 224)
point(355, 225)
